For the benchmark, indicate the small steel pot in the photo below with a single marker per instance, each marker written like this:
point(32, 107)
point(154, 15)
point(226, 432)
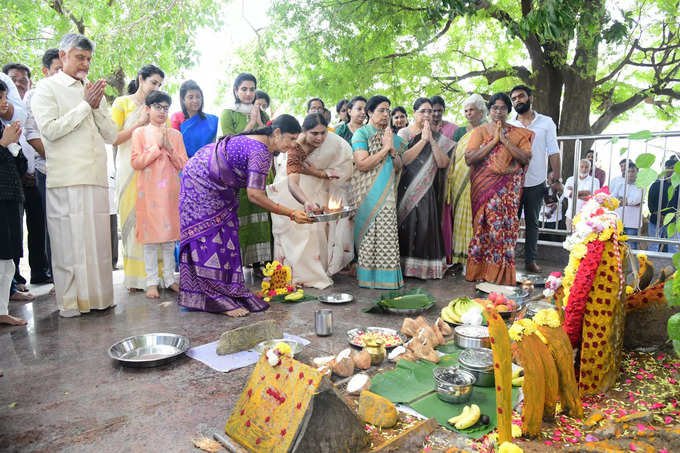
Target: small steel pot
point(453, 385)
point(479, 362)
point(466, 337)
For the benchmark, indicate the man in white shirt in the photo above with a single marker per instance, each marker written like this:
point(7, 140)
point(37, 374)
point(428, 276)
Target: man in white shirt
point(620, 180)
point(579, 191)
point(543, 148)
point(630, 204)
point(35, 217)
point(74, 125)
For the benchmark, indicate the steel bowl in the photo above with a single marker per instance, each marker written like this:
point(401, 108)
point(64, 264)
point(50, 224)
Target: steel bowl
point(336, 298)
point(517, 313)
point(295, 346)
point(467, 337)
point(149, 350)
point(453, 385)
point(479, 362)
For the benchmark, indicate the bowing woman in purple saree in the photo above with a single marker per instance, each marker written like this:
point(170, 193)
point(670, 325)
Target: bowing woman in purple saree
point(210, 257)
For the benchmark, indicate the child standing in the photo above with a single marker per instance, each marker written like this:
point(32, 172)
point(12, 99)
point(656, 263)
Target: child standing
point(158, 155)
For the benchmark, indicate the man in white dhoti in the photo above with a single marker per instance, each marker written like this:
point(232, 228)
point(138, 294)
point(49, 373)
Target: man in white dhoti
point(318, 170)
point(75, 124)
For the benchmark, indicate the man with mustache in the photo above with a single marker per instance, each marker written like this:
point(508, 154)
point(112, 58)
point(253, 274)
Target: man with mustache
point(74, 124)
point(543, 148)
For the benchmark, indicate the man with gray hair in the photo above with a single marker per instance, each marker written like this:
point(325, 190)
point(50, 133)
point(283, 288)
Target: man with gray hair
point(74, 123)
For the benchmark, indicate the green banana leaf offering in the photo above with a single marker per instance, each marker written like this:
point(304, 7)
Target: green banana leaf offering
point(401, 300)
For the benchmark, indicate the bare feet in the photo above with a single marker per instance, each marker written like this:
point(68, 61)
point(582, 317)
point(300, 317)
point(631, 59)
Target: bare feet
point(174, 287)
point(22, 297)
point(12, 320)
point(22, 287)
point(53, 292)
point(239, 312)
point(152, 292)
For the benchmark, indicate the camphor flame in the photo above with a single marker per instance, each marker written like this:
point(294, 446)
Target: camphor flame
point(334, 204)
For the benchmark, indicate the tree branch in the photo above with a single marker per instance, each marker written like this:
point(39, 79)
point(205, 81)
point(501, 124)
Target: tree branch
point(614, 110)
point(620, 66)
point(491, 75)
point(441, 33)
point(58, 6)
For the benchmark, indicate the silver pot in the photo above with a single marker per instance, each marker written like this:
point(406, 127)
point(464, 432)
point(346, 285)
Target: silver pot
point(466, 337)
point(478, 362)
point(453, 385)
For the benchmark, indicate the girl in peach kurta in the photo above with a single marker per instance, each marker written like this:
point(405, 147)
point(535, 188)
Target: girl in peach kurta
point(158, 155)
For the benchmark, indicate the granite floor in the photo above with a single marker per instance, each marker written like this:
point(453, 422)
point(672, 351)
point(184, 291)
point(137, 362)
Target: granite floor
point(61, 392)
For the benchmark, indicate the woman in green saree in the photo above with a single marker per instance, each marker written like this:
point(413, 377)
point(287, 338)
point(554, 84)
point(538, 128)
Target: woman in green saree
point(377, 155)
point(255, 228)
point(356, 112)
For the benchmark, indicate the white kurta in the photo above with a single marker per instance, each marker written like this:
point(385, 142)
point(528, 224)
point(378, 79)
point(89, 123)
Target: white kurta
point(74, 136)
point(318, 250)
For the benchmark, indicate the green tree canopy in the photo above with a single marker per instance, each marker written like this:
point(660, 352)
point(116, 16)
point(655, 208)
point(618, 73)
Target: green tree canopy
point(590, 61)
point(127, 33)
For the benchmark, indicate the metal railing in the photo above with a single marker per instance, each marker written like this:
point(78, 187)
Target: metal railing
point(613, 148)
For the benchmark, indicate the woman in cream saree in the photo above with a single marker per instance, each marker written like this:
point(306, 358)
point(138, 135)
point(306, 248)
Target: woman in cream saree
point(307, 178)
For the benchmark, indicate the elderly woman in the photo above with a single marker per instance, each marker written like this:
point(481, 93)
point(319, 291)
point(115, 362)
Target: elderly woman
point(211, 278)
point(377, 155)
point(356, 111)
point(313, 173)
point(418, 211)
point(457, 218)
point(129, 113)
point(498, 154)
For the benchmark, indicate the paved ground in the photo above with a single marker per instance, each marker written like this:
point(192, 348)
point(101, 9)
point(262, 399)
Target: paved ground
point(60, 391)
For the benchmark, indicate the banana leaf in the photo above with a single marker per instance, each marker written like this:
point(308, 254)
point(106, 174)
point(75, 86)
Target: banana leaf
point(411, 299)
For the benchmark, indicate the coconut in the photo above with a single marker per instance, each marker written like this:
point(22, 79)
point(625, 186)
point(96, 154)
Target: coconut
point(358, 383)
point(362, 360)
point(321, 361)
point(396, 352)
point(444, 328)
point(409, 327)
point(343, 364)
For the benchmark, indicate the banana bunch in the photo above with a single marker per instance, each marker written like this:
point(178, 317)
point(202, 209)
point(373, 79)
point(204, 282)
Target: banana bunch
point(518, 377)
point(297, 295)
point(467, 418)
point(454, 311)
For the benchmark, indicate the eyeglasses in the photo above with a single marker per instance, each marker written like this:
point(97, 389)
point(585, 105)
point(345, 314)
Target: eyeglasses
point(164, 108)
point(424, 111)
point(499, 108)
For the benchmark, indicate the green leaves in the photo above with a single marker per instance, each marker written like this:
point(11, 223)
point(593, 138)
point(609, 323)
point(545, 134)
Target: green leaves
point(645, 177)
point(645, 160)
point(641, 135)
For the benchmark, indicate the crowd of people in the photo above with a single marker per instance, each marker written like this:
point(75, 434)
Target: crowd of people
point(429, 196)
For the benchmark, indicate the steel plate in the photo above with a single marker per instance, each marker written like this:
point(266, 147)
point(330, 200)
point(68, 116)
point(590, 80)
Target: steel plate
point(336, 298)
point(149, 350)
point(353, 333)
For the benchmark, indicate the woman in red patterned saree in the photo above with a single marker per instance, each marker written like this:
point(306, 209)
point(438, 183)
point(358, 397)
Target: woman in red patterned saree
point(498, 154)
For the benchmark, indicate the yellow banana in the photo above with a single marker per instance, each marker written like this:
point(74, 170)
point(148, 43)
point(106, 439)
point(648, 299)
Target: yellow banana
point(470, 419)
point(294, 296)
point(464, 412)
point(518, 382)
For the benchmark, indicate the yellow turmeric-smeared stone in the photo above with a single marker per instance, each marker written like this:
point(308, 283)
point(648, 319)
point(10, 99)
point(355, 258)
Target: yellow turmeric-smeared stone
point(376, 410)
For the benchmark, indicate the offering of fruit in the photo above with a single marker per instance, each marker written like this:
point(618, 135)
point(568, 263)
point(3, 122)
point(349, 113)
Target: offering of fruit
point(467, 418)
point(454, 311)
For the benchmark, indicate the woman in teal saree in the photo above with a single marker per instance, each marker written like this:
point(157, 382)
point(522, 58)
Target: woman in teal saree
point(377, 155)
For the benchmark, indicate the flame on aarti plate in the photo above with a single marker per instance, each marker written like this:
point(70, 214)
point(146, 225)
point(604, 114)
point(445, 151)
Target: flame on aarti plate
point(334, 204)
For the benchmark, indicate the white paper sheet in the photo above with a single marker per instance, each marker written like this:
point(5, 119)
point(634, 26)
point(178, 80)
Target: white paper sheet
point(207, 354)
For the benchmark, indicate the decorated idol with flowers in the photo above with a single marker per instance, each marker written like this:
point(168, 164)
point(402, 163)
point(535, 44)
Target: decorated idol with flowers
point(594, 301)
